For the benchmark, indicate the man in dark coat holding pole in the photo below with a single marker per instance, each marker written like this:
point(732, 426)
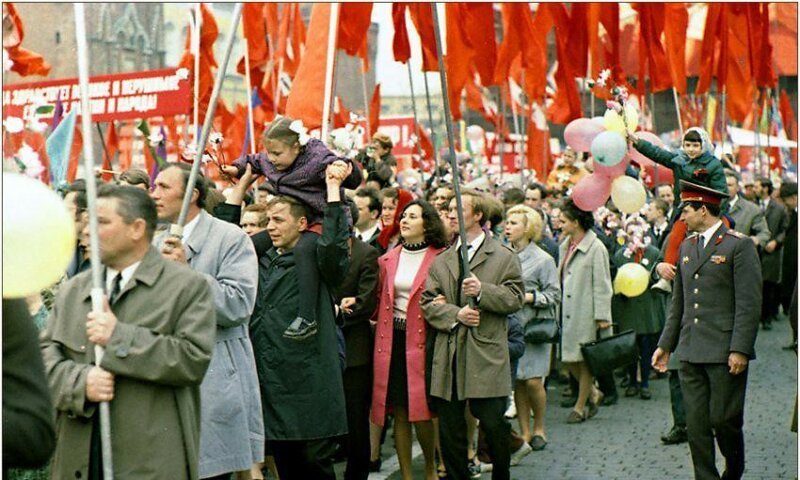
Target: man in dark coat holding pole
point(713, 322)
point(301, 380)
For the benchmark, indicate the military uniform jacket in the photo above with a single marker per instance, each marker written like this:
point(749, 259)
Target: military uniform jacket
point(716, 299)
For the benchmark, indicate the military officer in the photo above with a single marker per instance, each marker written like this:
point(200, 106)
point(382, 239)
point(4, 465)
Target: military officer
point(713, 322)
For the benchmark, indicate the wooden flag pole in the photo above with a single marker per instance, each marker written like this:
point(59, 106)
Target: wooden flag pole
point(331, 58)
point(416, 127)
point(435, 172)
point(98, 291)
point(366, 99)
point(501, 141)
point(463, 254)
point(678, 110)
point(177, 229)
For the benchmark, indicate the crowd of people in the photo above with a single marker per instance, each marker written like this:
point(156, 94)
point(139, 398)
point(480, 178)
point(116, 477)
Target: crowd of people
point(290, 325)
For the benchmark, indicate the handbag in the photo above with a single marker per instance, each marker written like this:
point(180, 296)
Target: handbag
point(542, 330)
point(605, 355)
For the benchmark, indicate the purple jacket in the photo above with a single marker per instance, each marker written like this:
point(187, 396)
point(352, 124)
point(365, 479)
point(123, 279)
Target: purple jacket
point(305, 179)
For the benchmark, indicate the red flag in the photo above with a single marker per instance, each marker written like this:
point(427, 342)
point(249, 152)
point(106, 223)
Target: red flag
point(208, 35)
point(425, 143)
point(566, 103)
point(25, 61)
point(75, 154)
point(478, 29)
point(676, 20)
point(760, 45)
point(578, 39)
point(651, 51)
point(739, 73)
point(308, 87)
point(375, 110)
point(711, 35)
point(341, 115)
point(479, 99)
point(354, 22)
point(538, 144)
point(517, 33)
point(400, 46)
point(112, 147)
point(291, 39)
point(609, 18)
point(254, 29)
point(422, 16)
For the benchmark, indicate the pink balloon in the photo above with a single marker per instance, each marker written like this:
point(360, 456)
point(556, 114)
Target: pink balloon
point(580, 133)
point(638, 157)
point(591, 192)
point(614, 171)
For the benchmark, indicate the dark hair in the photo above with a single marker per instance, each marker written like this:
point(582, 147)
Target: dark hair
point(353, 210)
point(389, 192)
point(496, 210)
point(538, 186)
point(78, 187)
point(135, 176)
point(279, 130)
point(132, 203)
point(435, 234)
point(374, 197)
point(200, 183)
point(713, 210)
point(571, 211)
point(513, 196)
point(661, 205)
point(693, 136)
point(382, 176)
point(297, 208)
point(259, 209)
point(766, 182)
point(788, 189)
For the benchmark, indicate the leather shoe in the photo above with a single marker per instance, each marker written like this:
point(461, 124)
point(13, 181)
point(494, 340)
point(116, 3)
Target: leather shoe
point(645, 394)
point(632, 391)
point(301, 329)
point(538, 443)
point(675, 436)
point(767, 326)
point(575, 417)
point(609, 400)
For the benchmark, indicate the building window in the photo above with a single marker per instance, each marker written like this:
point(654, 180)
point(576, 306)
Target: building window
point(58, 38)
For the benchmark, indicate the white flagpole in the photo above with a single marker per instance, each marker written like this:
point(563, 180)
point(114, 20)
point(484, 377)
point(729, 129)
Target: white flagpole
point(326, 103)
point(249, 101)
point(97, 292)
point(198, 21)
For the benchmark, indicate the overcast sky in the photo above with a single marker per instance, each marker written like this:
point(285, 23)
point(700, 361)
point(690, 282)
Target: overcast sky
point(393, 76)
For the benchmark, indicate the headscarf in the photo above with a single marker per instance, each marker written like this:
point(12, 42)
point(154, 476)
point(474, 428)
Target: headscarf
point(707, 145)
point(404, 197)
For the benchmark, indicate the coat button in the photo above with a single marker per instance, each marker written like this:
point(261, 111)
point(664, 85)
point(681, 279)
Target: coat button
point(420, 330)
point(83, 348)
point(387, 307)
point(695, 319)
point(696, 276)
point(421, 346)
point(381, 335)
point(696, 291)
point(380, 351)
point(696, 305)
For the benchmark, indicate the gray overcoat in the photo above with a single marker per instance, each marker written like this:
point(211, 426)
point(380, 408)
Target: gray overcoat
point(585, 294)
point(232, 433)
point(749, 220)
point(540, 276)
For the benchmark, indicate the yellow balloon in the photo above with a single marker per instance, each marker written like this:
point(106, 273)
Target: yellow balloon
point(631, 280)
point(38, 236)
point(613, 121)
point(631, 117)
point(627, 194)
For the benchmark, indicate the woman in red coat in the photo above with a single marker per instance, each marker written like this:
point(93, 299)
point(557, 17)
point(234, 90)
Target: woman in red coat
point(399, 367)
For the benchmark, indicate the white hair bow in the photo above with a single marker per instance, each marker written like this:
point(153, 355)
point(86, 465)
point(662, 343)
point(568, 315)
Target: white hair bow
point(301, 131)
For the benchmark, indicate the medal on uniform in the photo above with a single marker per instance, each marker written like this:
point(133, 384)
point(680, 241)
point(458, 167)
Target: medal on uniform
point(718, 259)
point(685, 259)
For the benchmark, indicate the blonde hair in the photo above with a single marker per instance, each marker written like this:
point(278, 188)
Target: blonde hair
point(534, 224)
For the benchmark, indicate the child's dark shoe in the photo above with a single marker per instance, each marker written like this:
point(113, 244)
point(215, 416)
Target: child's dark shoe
point(301, 329)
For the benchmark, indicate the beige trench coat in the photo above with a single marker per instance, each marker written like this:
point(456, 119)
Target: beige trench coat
point(483, 369)
point(159, 353)
point(585, 294)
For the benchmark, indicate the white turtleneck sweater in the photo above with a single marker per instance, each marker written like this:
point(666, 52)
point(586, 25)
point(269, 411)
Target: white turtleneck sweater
point(407, 268)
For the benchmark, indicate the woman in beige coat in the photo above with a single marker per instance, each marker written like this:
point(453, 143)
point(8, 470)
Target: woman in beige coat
point(585, 299)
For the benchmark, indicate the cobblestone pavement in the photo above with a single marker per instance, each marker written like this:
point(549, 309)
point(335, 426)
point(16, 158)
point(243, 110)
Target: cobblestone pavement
point(622, 441)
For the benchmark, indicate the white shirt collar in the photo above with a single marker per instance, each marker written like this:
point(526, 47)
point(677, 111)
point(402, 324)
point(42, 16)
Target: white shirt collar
point(474, 245)
point(733, 201)
point(189, 228)
point(127, 273)
point(709, 234)
point(365, 235)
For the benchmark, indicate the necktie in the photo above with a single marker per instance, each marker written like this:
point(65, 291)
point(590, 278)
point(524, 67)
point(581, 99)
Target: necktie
point(700, 245)
point(115, 289)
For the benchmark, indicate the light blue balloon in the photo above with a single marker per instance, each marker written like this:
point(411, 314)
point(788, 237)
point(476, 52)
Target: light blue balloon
point(609, 148)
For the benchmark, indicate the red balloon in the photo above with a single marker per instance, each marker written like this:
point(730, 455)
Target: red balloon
point(638, 157)
point(591, 192)
point(613, 171)
point(580, 133)
point(664, 175)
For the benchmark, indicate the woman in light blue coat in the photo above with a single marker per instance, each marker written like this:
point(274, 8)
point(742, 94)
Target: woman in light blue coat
point(524, 228)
